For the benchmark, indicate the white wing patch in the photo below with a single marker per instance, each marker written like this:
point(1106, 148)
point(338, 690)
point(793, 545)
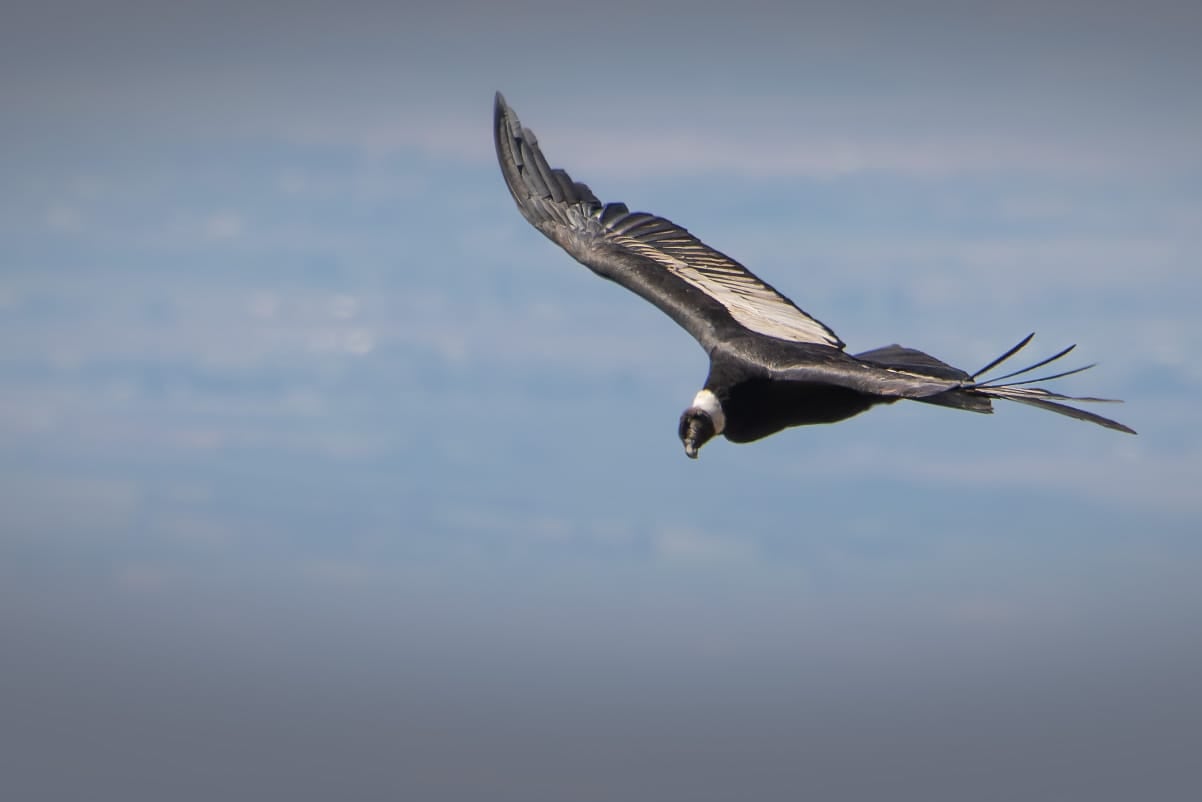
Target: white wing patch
point(750, 302)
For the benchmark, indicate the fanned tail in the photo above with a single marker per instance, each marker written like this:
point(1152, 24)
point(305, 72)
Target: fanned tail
point(976, 395)
point(1039, 397)
point(998, 387)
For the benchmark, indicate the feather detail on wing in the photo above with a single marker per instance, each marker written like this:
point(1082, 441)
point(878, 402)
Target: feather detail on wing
point(753, 303)
point(647, 254)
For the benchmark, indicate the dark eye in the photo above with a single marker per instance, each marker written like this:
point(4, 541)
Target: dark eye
point(685, 419)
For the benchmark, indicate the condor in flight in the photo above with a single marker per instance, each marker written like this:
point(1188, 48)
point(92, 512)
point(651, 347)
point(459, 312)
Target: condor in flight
point(771, 365)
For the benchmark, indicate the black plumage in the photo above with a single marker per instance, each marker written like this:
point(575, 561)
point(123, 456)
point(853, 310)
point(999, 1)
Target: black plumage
point(771, 365)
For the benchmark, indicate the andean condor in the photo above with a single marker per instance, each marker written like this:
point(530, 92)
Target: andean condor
point(771, 365)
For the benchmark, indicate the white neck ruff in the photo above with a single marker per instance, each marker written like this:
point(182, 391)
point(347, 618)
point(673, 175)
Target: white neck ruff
point(708, 403)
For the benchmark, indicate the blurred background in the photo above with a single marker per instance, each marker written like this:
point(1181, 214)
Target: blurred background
point(323, 475)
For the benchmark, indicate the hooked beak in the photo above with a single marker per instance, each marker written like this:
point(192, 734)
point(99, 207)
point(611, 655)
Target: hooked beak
point(696, 429)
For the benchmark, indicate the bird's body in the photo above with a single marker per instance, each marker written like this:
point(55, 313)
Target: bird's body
point(772, 366)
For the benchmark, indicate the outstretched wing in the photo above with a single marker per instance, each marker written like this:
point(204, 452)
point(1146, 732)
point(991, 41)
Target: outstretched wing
point(710, 295)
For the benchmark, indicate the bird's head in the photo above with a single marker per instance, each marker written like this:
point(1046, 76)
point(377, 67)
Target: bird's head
point(700, 422)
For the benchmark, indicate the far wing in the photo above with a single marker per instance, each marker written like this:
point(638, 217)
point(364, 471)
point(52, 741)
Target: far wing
point(709, 294)
point(867, 378)
point(808, 363)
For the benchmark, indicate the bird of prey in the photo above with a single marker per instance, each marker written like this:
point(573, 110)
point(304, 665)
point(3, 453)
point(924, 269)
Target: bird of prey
point(772, 366)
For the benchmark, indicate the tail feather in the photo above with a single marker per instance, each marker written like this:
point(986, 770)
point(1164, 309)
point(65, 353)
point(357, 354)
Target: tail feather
point(977, 396)
point(1022, 344)
point(960, 399)
point(1049, 378)
point(1029, 368)
point(1040, 397)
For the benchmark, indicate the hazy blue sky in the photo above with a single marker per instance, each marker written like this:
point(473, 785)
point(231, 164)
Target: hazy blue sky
point(323, 475)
